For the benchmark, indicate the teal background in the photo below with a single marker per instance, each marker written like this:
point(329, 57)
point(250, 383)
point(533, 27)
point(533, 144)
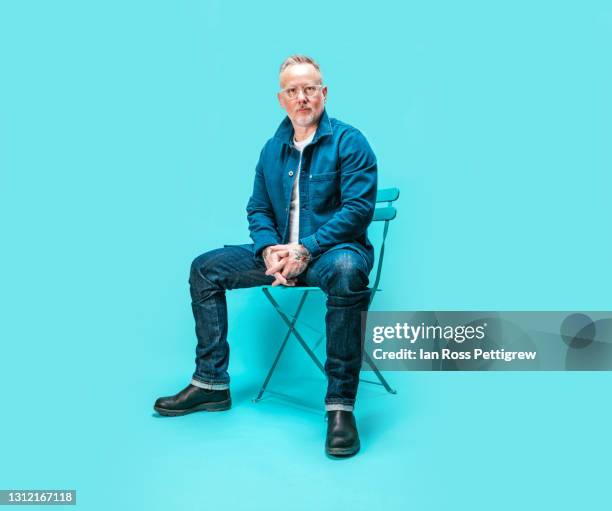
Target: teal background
point(129, 132)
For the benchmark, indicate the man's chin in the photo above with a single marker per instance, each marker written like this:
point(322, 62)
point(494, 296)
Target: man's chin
point(305, 121)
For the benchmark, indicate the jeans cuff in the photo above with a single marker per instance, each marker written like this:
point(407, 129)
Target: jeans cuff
point(336, 406)
point(209, 386)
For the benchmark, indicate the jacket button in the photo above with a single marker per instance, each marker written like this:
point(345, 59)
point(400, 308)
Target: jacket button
point(290, 173)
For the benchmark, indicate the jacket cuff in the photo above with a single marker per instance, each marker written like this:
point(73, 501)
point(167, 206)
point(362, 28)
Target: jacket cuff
point(310, 242)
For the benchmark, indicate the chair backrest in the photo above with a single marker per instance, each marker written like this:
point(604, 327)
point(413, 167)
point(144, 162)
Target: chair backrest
point(385, 213)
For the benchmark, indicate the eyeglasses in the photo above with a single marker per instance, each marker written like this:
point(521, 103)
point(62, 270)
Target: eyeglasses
point(308, 90)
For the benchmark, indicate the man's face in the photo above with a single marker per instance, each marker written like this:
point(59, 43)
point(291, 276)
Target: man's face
point(304, 111)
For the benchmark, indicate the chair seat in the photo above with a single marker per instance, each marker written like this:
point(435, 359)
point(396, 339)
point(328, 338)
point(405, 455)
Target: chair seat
point(301, 288)
point(304, 288)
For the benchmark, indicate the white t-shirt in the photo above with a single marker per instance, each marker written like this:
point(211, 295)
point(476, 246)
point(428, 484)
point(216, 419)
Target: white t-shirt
point(294, 211)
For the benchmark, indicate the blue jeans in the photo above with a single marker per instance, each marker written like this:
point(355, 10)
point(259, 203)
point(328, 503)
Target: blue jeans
point(341, 273)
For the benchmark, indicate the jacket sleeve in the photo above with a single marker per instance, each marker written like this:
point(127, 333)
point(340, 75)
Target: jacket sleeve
point(262, 224)
point(358, 181)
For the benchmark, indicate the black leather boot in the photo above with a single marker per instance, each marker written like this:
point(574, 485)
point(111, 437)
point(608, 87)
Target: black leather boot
point(342, 437)
point(193, 399)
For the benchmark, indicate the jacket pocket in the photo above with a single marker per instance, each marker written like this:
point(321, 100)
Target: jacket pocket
point(326, 176)
point(324, 191)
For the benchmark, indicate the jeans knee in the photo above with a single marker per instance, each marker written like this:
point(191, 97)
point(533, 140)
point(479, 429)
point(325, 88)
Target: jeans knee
point(201, 271)
point(346, 276)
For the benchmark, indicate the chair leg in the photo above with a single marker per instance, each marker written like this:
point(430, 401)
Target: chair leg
point(292, 328)
point(381, 378)
point(291, 325)
point(269, 375)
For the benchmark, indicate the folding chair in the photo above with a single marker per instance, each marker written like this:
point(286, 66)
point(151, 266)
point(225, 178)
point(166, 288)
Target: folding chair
point(384, 214)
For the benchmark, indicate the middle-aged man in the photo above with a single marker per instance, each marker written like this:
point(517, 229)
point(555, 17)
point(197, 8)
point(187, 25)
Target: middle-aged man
point(313, 199)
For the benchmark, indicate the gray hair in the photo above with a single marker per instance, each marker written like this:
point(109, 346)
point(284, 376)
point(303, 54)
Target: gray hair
point(300, 59)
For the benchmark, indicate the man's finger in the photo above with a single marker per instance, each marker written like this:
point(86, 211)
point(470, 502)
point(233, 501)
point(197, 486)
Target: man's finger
point(275, 257)
point(275, 268)
point(279, 280)
point(288, 270)
point(282, 281)
point(293, 269)
point(277, 248)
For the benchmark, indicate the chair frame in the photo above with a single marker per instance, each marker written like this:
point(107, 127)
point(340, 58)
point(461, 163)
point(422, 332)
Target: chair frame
point(381, 214)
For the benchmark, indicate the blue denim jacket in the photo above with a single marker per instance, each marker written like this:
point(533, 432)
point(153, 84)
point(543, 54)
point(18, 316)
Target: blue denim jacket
point(337, 190)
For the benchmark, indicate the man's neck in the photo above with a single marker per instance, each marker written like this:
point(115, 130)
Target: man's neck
point(301, 133)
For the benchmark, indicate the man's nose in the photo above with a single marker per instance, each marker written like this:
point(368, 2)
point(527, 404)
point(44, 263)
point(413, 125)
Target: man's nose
point(301, 95)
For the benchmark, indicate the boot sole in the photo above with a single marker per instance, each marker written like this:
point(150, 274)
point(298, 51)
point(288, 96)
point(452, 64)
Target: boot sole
point(204, 407)
point(343, 452)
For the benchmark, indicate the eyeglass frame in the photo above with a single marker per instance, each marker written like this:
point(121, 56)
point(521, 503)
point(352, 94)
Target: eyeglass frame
point(319, 87)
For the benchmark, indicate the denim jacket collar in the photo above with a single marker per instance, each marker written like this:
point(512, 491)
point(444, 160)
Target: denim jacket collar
point(285, 131)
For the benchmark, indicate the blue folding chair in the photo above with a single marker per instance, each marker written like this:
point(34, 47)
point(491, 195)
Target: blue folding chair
point(384, 214)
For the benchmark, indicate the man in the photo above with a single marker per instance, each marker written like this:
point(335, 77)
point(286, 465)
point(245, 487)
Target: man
point(313, 199)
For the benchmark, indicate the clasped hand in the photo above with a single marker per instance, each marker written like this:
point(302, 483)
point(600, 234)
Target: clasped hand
point(286, 262)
